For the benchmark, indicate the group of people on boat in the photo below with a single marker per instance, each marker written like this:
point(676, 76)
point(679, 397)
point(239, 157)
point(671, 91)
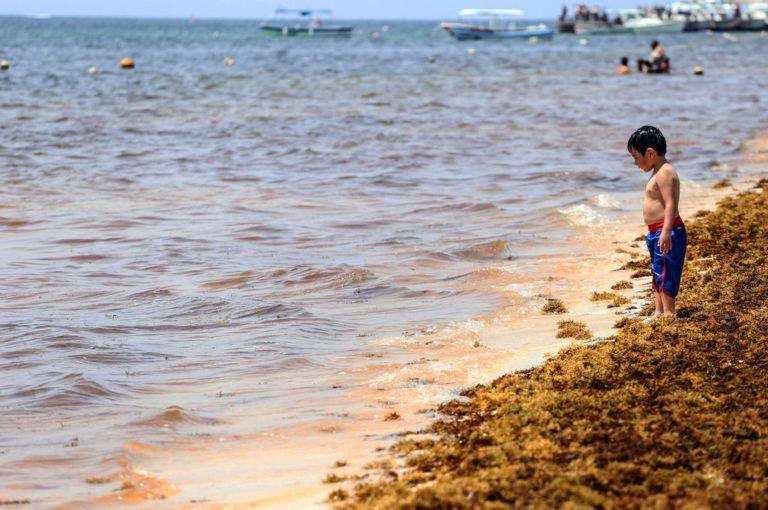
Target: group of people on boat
point(583, 13)
point(657, 62)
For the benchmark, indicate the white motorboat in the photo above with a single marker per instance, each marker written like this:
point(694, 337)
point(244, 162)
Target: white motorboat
point(476, 24)
point(645, 22)
point(306, 23)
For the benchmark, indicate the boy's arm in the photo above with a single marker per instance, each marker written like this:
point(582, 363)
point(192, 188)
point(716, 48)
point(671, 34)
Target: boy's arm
point(666, 183)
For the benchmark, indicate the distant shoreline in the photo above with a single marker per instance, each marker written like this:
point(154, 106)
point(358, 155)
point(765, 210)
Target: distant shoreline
point(43, 17)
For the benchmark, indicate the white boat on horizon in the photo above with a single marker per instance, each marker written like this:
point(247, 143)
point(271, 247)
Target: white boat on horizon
point(655, 25)
point(476, 24)
point(304, 22)
point(600, 28)
point(640, 22)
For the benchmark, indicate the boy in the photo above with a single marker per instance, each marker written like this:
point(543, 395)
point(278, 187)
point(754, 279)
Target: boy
point(623, 66)
point(667, 238)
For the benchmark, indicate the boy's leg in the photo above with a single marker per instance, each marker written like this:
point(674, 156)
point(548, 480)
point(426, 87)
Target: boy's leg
point(659, 304)
point(673, 268)
point(668, 304)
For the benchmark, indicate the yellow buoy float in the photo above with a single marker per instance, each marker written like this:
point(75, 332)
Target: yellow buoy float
point(698, 70)
point(229, 61)
point(5, 65)
point(127, 63)
point(93, 70)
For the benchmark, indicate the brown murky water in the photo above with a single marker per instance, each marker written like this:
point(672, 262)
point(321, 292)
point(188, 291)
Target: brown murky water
point(218, 281)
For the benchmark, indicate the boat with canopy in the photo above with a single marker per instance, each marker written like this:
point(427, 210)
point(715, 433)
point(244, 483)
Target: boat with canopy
point(304, 22)
point(476, 24)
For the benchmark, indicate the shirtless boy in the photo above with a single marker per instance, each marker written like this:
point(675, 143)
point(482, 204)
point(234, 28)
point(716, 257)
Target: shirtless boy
point(667, 238)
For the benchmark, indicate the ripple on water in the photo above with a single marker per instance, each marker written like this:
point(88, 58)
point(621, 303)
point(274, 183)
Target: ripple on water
point(66, 390)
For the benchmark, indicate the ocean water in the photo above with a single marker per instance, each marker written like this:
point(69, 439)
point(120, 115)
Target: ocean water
point(190, 247)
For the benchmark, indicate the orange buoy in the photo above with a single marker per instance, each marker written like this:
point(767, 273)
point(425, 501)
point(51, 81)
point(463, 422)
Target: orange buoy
point(127, 63)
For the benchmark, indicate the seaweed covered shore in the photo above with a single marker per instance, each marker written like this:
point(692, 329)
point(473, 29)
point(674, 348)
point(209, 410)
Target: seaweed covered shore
point(667, 413)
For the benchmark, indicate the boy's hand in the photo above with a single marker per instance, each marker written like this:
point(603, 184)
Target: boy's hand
point(665, 242)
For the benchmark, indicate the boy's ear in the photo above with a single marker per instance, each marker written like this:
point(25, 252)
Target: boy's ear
point(650, 151)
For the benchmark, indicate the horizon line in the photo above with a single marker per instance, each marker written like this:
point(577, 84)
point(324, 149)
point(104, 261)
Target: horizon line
point(45, 16)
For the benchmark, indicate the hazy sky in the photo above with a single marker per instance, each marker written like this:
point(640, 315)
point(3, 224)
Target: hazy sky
point(360, 9)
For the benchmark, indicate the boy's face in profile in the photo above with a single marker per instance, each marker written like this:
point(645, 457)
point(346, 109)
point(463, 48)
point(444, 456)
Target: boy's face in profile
point(644, 161)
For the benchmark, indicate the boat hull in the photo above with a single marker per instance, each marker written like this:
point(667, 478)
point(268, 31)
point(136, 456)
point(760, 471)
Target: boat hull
point(307, 31)
point(474, 33)
point(752, 24)
point(599, 28)
point(566, 27)
point(664, 27)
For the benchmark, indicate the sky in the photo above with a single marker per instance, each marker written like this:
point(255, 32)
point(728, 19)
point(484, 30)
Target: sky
point(259, 9)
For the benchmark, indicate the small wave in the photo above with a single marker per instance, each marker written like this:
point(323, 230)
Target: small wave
point(453, 208)
point(76, 241)
point(71, 390)
point(364, 225)
point(333, 277)
point(386, 181)
point(230, 282)
point(583, 215)
point(261, 229)
point(174, 416)
point(152, 293)
point(67, 342)
point(606, 201)
point(14, 222)
point(278, 311)
point(433, 104)
point(87, 258)
point(498, 249)
point(130, 155)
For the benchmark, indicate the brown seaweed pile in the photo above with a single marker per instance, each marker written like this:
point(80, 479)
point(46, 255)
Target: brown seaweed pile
point(573, 329)
point(671, 413)
point(554, 306)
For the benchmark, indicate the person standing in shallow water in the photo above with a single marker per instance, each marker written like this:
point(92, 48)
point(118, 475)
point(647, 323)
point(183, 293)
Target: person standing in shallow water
point(667, 238)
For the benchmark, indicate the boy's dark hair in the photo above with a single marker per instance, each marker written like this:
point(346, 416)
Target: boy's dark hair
point(647, 137)
point(624, 61)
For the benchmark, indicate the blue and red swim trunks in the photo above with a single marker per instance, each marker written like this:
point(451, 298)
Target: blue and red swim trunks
point(667, 269)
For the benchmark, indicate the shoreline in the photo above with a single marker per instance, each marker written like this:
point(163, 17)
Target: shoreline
point(428, 475)
point(478, 356)
point(477, 351)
